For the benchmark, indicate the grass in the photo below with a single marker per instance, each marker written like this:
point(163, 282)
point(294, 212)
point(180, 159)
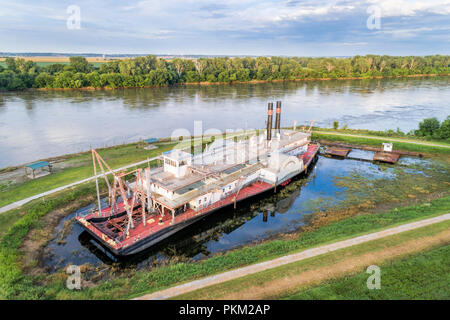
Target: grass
point(15, 284)
point(267, 283)
point(421, 276)
point(382, 135)
point(376, 141)
point(79, 167)
point(11, 277)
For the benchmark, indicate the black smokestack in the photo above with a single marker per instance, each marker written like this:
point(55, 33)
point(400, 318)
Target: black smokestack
point(277, 117)
point(269, 120)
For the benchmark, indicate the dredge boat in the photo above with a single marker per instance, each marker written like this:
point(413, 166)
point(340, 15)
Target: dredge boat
point(145, 206)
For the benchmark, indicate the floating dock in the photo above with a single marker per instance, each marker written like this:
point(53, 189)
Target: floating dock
point(385, 154)
point(337, 152)
point(389, 157)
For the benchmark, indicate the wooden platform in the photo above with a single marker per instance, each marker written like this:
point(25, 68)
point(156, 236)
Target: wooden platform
point(389, 157)
point(337, 152)
point(368, 148)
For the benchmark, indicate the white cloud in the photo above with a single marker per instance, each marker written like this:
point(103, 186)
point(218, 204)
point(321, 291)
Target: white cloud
point(399, 8)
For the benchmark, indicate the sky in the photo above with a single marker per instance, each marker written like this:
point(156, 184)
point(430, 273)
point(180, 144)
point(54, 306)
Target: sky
point(227, 27)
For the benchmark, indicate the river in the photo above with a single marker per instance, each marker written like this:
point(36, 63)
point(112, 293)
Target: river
point(41, 124)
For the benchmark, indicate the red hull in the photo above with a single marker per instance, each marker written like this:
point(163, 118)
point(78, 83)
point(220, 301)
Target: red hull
point(154, 226)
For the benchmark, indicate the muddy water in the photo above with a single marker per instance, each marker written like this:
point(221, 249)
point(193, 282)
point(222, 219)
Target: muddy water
point(227, 229)
point(36, 125)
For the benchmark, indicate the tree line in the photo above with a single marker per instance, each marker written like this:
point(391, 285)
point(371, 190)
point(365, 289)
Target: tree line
point(152, 71)
point(431, 128)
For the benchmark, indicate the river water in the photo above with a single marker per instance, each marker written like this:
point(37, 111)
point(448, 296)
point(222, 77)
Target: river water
point(36, 125)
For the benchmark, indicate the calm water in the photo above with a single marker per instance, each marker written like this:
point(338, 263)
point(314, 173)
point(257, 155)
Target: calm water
point(35, 125)
point(226, 229)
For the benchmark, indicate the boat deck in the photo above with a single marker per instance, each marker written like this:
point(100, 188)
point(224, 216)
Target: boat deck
point(156, 223)
point(153, 224)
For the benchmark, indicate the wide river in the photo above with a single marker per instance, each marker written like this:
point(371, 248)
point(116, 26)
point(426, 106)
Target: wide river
point(36, 125)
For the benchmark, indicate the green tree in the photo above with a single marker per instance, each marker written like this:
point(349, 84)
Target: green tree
point(44, 80)
point(11, 64)
point(80, 64)
point(428, 127)
point(444, 130)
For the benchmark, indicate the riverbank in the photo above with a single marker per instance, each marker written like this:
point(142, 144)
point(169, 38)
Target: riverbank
point(336, 260)
point(371, 204)
point(209, 83)
point(422, 276)
point(409, 144)
point(19, 285)
point(75, 167)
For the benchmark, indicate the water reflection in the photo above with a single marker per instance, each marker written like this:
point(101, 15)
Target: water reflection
point(58, 122)
point(253, 221)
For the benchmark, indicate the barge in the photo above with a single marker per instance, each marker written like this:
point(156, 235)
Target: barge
point(148, 205)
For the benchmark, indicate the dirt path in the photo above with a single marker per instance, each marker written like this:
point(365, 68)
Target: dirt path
point(423, 143)
point(251, 269)
point(291, 282)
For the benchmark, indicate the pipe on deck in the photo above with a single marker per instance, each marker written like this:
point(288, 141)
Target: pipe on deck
point(269, 120)
point(277, 118)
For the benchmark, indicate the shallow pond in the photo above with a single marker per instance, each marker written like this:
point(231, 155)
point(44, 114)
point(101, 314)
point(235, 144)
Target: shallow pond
point(254, 220)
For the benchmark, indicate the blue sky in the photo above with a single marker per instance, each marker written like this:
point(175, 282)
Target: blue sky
point(231, 27)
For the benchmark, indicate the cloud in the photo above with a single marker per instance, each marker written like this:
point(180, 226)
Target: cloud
point(402, 8)
point(226, 26)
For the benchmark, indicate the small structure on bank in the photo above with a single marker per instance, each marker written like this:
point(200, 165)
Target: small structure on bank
point(150, 143)
point(386, 154)
point(38, 169)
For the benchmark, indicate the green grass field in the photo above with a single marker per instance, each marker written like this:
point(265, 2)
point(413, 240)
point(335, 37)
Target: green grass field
point(264, 282)
point(421, 276)
point(14, 284)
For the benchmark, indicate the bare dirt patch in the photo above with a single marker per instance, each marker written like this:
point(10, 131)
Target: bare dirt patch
point(33, 245)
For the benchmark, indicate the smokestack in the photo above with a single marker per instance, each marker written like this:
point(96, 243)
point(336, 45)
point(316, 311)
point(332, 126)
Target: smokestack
point(277, 117)
point(269, 120)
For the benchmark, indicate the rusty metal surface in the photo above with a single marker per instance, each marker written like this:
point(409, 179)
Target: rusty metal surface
point(337, 151)
point(386, 157)
point(368, 148)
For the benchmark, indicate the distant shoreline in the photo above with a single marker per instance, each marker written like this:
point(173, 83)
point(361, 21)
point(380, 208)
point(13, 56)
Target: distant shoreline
point(207, 83)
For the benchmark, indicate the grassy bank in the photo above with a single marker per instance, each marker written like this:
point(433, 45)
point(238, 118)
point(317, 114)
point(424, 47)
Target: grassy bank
point(391, 134)
point(78, 167)
point(15, 284)
point(281, 281)
point(375, 141)
point(18, 223)
point(420, 276)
